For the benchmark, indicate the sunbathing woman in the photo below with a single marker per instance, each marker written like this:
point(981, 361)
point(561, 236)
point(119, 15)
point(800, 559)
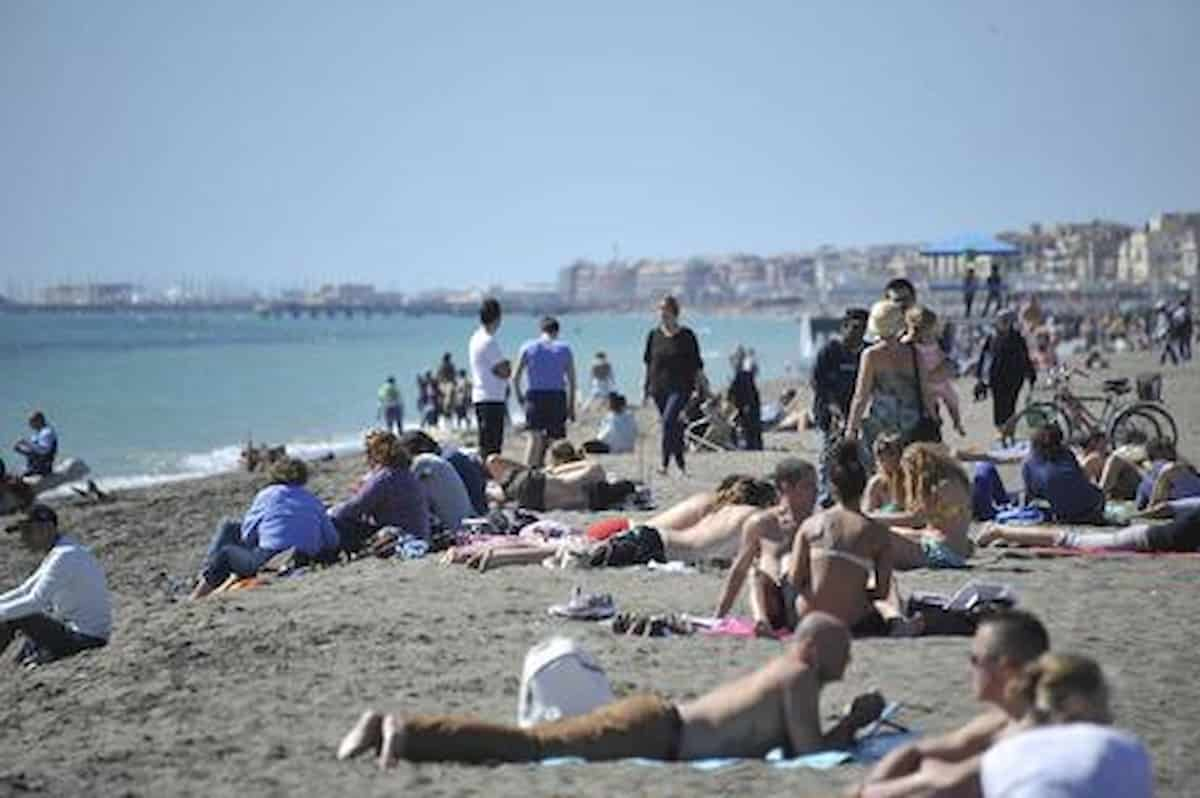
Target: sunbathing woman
point(841, 564)
point(716, 534)
point(931, 531)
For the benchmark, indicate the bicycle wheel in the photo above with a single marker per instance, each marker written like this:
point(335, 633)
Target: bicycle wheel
point(1166, 422)
point(1038, 414)
point(1133, 423)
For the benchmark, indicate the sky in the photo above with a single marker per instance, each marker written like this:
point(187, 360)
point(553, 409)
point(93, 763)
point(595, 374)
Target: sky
point(417, 145)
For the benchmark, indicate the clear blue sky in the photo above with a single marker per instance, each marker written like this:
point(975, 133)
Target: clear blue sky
point(427, 144)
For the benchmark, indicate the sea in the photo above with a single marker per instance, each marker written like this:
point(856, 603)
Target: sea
point(145, 398)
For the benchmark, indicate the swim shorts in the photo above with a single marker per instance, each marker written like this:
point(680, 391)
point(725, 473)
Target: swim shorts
point(939, 555)
point(638, 546)
point(527, 487)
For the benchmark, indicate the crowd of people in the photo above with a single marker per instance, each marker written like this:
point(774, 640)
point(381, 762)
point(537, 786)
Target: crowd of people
point(815, 549)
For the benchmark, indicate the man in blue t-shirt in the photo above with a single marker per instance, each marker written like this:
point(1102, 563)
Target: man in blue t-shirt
point(549, 400)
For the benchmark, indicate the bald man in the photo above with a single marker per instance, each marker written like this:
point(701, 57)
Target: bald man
point(777, 706)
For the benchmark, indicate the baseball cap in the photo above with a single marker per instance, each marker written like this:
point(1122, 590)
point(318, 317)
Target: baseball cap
point(38, 513)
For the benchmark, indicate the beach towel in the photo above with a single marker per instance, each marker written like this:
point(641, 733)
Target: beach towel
point(733, 627)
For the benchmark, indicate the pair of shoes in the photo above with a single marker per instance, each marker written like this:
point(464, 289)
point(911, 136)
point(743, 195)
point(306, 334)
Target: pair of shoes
point(641, 625)
point(585, 607)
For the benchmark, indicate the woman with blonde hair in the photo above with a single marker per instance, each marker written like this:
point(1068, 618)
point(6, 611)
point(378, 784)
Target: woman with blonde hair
point(1061, 745)
point(931, 531)
point(387, 495)
point(892, 393)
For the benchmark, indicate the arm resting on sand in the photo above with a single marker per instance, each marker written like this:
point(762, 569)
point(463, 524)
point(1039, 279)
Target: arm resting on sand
point(746, 556)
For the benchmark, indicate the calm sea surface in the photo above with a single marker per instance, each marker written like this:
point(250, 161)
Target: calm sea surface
point(147, 397)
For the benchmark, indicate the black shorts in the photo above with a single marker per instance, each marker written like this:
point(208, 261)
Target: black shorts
point(526, 487)
point(639, 546)
point(490, 418)
point(547, 411)
point(1181, 534)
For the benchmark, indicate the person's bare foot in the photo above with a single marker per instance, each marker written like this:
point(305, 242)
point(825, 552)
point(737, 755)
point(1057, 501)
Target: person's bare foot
point(202, 589)
point(989, 533)
point(366, 735)
point(392, 749)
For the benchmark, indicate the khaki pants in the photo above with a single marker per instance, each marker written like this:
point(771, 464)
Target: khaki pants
point(639, 726)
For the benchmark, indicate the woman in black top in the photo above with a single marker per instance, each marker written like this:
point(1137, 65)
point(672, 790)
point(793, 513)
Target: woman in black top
point(673, 362)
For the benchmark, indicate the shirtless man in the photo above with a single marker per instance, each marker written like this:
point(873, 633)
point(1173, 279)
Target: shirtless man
point(1004, 644)
point(765, 542)
point(776, 706)
point(841, 562)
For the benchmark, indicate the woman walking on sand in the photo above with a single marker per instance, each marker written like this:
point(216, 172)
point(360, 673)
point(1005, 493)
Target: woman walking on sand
point(673, 365)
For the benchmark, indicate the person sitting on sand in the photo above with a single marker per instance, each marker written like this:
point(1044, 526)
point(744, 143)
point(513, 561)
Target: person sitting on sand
point(474, 479)
point(931, 530)
point(1184, 484)
point(764, 546)
point(283, 515)
point(777, 706)
point(1063, 745)
point(618, 431)
point(388, 495)
point(1051, 473)
point(1004, 644)
point(841, 563)
point(570, 482)
point(64, 606)
point(883, 494)
point(40, 448)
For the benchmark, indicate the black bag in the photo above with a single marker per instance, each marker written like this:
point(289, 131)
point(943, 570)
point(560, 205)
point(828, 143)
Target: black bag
point(928, 428)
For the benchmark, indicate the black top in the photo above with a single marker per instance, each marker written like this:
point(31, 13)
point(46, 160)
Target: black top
point(1006, 360)
point(672, 362)
point(833, 379)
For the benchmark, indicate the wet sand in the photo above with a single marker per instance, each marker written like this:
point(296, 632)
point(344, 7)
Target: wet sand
point(248, 694)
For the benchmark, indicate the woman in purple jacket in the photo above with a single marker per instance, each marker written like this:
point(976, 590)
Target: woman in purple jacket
point(388, 495)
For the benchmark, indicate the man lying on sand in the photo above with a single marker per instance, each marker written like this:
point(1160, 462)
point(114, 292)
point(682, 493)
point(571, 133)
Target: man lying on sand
point(1004, 644)
point(841, 563)
point(777, 706)
point(706, 526)
point(571, 482)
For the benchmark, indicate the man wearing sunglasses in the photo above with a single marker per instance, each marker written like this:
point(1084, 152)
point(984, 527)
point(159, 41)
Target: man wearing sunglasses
point(1004, 644)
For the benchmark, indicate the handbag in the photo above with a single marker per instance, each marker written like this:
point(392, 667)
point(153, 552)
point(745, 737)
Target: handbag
point(928, 428)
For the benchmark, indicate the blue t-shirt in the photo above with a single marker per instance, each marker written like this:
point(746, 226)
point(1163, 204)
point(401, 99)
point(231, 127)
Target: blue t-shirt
point(1072, 496)
point(547, 361)
point(1182, 487)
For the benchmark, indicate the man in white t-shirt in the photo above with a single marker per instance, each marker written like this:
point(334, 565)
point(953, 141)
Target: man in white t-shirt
point(64, 607)
point(490, 372)
point(1069, 760)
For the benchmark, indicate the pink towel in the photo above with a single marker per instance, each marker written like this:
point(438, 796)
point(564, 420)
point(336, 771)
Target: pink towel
point(740, 627)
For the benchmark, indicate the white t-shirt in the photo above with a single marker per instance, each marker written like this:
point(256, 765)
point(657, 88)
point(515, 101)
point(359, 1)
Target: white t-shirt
point(69, 586)
point(484, 353)
point(1073, 760)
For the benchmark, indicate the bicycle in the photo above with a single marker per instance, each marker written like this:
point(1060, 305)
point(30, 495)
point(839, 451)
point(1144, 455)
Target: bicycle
point(1121, 418)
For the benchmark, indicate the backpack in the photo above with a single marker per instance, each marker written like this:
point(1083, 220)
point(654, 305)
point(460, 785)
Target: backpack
point(560, 680)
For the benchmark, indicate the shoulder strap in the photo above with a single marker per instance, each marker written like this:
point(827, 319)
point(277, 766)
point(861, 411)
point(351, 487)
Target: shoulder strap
point(917, 372)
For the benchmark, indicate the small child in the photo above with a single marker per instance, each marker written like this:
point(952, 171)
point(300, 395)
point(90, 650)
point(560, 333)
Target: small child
point(935, 368)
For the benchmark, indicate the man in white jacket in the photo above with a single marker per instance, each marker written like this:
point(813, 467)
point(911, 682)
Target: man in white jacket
point(64, 607)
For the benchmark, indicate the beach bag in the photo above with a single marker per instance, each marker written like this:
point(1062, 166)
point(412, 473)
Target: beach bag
point(960, 613)
point(560, 680)
point(928, 428)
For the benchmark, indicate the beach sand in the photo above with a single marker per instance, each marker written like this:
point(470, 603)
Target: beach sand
point(248, 694)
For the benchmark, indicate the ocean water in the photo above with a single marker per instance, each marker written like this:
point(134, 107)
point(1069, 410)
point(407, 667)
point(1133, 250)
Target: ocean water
point(152, 397)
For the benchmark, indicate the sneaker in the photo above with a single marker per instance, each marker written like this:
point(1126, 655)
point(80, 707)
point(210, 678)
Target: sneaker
point(585, 607)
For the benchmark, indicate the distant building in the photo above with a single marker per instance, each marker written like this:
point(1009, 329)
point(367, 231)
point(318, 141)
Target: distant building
point(1165, 250)
point(83, 294)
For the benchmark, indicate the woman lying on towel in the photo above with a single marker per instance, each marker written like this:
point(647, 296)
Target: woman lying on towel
point(931, 529)
point(841, 563)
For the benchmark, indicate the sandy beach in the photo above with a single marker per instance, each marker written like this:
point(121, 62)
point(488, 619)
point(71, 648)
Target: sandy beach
point(248, 694)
